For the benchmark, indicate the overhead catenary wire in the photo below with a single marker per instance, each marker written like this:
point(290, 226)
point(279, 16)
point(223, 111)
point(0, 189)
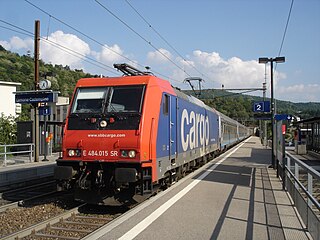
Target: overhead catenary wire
point(143, 38)
point(81, 56)
point(232, 94)
point(13, 30)
point(96, 41)
point(76, 30)
point(286, 28)
point(165, 40)
point(23, 30)
point(61, 47)
point(48, 26)
point(284, 33)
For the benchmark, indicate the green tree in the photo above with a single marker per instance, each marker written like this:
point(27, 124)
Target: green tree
point(8, 130)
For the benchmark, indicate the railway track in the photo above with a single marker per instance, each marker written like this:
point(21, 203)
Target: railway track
point(40, 212)
point(72, 224)
point(60, 219)
point(13, 198)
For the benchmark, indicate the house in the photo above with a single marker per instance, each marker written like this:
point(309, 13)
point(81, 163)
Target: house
point(7, 99)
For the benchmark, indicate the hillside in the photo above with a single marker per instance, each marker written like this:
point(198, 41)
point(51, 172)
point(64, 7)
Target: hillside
point(16, 68)
point(240, 106)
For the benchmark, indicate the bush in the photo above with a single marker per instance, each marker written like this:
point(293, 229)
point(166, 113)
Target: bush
point(8, 130)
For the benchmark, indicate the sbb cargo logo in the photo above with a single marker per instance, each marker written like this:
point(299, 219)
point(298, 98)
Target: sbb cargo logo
point(194, 130)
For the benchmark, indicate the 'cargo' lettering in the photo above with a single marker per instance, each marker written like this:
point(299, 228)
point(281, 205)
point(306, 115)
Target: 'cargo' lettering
point(198, 133)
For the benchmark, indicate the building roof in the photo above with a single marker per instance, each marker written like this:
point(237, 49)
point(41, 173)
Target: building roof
point(10, 83)
point(310, 120)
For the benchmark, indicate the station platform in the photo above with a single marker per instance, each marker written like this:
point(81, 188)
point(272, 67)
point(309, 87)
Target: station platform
point(235, 196)
point(20, 171)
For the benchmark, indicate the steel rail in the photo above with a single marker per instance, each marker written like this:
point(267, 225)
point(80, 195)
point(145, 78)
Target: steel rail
point(39, 226)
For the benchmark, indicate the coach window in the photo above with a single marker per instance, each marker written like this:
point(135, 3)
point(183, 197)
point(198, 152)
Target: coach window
point(166, 104)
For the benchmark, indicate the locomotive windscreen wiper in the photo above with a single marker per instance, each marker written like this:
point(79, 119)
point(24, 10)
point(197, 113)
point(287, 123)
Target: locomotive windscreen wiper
point(106, 100)
point(108, 106)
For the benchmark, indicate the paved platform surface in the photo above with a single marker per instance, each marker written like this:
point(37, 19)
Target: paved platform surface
point(235, 196)
point(21, 170)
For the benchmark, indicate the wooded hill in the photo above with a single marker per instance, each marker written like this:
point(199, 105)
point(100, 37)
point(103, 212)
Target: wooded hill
point(16, 68)
point(240, 106)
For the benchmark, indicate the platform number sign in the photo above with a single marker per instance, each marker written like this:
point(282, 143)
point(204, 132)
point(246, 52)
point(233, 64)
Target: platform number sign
point(258, 107)
point(263, 106)
point(44, 111)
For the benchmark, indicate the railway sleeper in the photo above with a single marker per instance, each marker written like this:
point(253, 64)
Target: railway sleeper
point(74, 216)
point(81, 223)
point(44, 235)
point(55, 228)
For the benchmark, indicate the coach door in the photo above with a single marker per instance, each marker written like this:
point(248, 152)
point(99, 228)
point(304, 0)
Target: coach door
point(172, 128)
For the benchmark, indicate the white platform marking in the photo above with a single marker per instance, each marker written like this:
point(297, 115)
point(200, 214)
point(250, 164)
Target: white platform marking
point(135, 231)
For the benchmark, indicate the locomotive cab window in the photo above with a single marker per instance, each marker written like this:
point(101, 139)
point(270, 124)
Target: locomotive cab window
point(88, 100)
point(109, 99)
point(122, 104)
point(125, 99)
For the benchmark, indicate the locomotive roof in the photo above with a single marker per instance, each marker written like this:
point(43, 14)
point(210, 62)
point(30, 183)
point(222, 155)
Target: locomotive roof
point(126, 80)
point(193, 100)
point(200, 103)
point(150, 80)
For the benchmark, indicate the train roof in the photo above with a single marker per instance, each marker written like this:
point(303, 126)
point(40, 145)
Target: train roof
point(193, 100)
point(150, 80)
point(226, 118)
point(126, 80)
point(200, 103)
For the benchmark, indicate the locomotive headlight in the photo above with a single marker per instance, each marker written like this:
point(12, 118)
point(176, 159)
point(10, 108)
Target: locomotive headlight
point(124, 153)
point(74, 153)
point(128, 153)
point(71, 153)
point(132, 154)
point(103, 123)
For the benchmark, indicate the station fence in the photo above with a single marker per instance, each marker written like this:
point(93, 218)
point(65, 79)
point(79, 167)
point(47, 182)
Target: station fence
point(303, 184)
point(9, 150)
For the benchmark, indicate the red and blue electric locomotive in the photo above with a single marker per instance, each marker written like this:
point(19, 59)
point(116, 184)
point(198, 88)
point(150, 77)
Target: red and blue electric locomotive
point(126, 136)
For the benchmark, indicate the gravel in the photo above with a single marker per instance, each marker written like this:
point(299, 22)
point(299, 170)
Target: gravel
point(13, 220)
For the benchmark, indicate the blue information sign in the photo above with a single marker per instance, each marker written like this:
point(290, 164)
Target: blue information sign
point(36, 97)
point(263, 106)
point(45, 110)
point(258, 107)
point(280, 117)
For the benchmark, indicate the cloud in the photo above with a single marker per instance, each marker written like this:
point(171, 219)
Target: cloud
point(6, 45)
point(233, 72)
point(217, 71)
point(53, 52)
point(16, 43)
point(67, 49)
point(110, 54)
point(299, 93)
point(160, 56)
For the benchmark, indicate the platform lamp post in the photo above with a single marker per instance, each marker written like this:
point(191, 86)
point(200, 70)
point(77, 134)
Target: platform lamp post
point(265, 61)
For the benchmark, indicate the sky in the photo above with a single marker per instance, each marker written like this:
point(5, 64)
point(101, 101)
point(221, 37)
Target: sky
point(219, 41)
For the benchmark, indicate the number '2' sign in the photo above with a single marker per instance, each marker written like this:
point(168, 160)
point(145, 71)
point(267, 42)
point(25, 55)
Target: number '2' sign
point(263, 106)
